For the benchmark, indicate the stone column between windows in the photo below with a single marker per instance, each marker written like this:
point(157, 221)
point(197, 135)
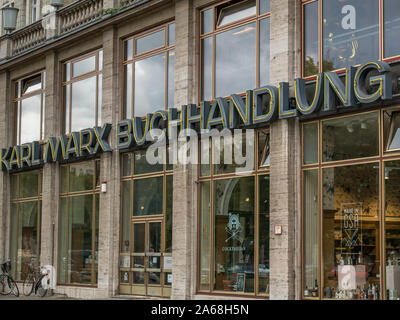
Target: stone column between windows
point(5, 141)
point(109, 210)
point(285, 144)
point(184, 187)
point(50, 181)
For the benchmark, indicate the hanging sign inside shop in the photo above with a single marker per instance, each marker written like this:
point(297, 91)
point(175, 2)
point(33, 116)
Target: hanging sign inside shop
point(259, 106)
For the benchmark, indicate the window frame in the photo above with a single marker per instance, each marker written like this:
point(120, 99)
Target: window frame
point(166, 49)
point(320, 38)
point(259, 171)
point(97, 72)
point(218, 30)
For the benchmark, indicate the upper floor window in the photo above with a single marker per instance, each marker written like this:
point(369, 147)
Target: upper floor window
point(35, 10)
point(149, 61)
point(347, 33)
point(82, 89)
point(234, 40)
point(29, 106)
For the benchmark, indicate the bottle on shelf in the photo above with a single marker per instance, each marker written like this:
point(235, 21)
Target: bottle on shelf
point(306, 292)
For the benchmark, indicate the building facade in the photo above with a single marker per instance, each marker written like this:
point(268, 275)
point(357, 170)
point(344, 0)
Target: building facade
point(315, 82)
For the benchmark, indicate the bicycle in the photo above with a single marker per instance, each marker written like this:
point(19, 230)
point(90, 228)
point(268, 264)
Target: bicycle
point(32, 283)
point(7, 283)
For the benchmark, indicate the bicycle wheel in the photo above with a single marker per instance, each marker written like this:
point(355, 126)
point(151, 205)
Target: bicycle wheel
point(4, 287)
point(28, 285)
point(41, 291)
point(13, 285)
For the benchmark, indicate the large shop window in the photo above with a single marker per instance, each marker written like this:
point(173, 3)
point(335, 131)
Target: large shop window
point(79, 223)
point(234, 47)
point(29, 108)
point(149, 71)
point(146, 226)
point(82, 91)
point(338, 34)
point(351, 249)
point(234, 226)
point(26, 205)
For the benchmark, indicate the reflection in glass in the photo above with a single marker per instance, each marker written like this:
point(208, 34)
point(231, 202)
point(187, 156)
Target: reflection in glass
point(264, 52)
point(154, 241)
point(338, 136)
point(263, 148)
point(150, 42)
point(206, 72)
point(234, 234)
point(28, 184)
point(99, 98)
point(147, 197)
point(350, 204)
point(263, 235)
point(128, 90)
point(32, 84)
point(236, 47)
point(237, 12)
point(84, 66)
point(204, 236)
point(171, 34)
point(392, 224)
point(171, 80)
point(149, 90)
point(81, 176)
point(30, 119)
point(310, 233)
point(83, 108)
point(310, 143)
point(391, 17)
point(138, 277)
point(394, 131)
point(139, 237)
point(206, 21)
point(264, 6)
point(141, 165)
point(126, 216)
point(129, 49)
point(62, 247)
point(311, 57)
point(66, 100)
point(350, 33)
point(168, 215)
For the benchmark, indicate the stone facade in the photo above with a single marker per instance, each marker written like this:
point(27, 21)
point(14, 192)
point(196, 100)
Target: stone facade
point(285, 137)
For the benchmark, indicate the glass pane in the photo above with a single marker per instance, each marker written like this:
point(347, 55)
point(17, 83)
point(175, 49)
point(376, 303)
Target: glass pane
point(154, 277)
point(127, 164)
point(310, 143)
point(100, 59)
point(66, 98)
point(28, 184)
point(264, 52)
point(43, 132)
point(154, 241)
point(67, 71)
point(264, 6)
point(206, 72)
point(311, 56)
point(234, 234)
point(128, 90)
point(168, 215)
point(96, 236)
point(310, 233)
point(84, 66)
point(27, 238)
point(80, 239)
point(32, 84)
point(150, 84)
point(237, 12)
point(350, 231)
point(338, 137)
point(204, 236)
point(171, 79)
point(99, 99)
point(129, 49)
point(206, 21)
point(392, 233)
point(124, 277)
point(83, 107)
point(263, 148)
point(81, 176)
point(350, 33)
point(30, 119)
point(171, 34)
point(64, 179)
point(142, 166)
point(138, 277)
point(126, 215)
point(13, 238)
point(235, 55)
point(205, 156)
point(139, 237)
point(150, 42)
point(263, 235)
point(62, 247)
point(391, 17)
point(393, 142)
point(147, 198)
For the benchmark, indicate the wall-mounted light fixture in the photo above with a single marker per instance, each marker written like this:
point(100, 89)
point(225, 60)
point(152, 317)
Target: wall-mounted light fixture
point(9, 15)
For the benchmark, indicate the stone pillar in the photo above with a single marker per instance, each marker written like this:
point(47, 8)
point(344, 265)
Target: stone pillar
point(50, 182)
point(184, 197)
point(109, 210)
point(285, 142)
point(5, 141)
